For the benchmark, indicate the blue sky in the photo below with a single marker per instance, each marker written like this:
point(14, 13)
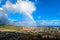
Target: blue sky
point(45, 10)
point(48, 10)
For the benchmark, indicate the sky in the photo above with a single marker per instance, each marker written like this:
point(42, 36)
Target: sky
point(38, 12)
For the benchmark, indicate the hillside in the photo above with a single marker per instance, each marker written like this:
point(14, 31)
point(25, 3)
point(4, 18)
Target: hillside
point(30, 33)
point(12, 28)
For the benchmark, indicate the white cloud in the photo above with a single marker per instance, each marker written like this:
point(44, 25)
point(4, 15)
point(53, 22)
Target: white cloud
point(22, 6)
point(25, 7)
point(49, 22)
point(24, 24)
point(1, 8)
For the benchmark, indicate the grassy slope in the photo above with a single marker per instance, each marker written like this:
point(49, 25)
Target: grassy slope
point(12, 28)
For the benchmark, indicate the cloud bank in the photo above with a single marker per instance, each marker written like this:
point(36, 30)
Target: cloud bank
point(25, 7)
point(22, 6)
point(48, 23)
